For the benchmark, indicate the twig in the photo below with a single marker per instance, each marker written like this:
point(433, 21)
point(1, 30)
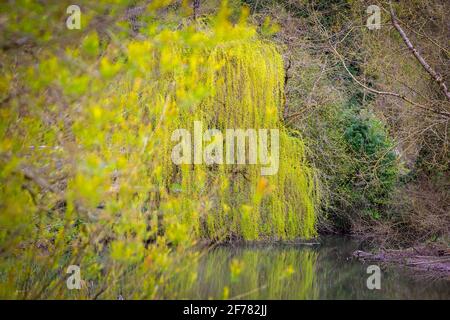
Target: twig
point(436, 76)
point(41, 182)
point(387, 93)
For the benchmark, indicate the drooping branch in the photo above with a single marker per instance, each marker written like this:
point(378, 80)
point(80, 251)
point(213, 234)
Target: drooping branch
point(435, 75)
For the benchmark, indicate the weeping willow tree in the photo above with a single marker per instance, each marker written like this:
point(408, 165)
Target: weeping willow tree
point(245, 81)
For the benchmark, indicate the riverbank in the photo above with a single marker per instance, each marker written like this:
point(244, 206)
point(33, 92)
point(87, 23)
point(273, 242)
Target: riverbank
point(433, 259)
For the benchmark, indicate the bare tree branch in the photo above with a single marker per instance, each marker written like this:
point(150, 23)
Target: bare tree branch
point(41, 182)
point(436, 76)
point(196, 7)
point(286, 78)
point(387, 93)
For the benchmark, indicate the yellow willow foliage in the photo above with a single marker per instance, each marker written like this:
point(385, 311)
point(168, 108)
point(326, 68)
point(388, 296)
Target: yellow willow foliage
point(86, 175)
point(245, 79)
point(239, 272)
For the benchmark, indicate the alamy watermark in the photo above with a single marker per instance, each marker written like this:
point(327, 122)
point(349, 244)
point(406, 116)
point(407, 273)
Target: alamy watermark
point(374, 280)
point(260, 149)
point(74, 280)
point(374, 20)
point(74, 19)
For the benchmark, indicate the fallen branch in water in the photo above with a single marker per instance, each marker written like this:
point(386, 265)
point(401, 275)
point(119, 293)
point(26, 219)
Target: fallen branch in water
point(425, 258)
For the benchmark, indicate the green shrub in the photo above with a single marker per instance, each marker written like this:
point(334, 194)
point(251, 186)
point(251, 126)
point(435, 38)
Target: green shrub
point(375, 169)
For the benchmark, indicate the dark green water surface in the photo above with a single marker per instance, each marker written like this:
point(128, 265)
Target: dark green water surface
point(323, 271)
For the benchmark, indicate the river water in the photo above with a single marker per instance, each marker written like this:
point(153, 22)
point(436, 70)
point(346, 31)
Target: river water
point(322, 271)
